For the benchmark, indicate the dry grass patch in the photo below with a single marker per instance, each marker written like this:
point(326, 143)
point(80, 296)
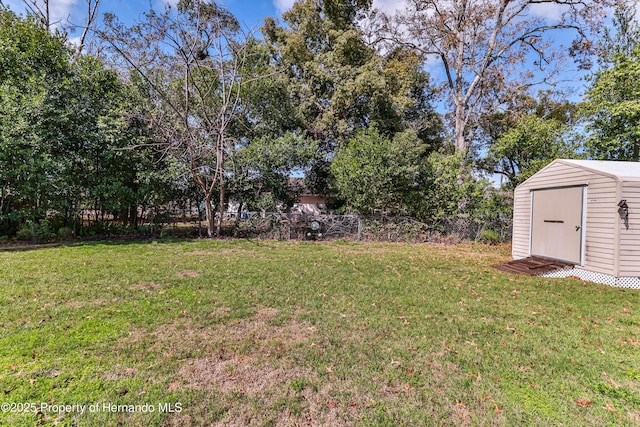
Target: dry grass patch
point(264, 334)
point(200, 252)
point(120, 372)
point(361, 249)
point(285, 395)
point(251, 363)
point(221, 251)
point(146, 286)
point(187, 273)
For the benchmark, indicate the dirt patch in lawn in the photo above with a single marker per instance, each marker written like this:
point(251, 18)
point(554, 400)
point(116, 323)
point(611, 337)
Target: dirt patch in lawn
point(146, 286)
point(187, 273)
point(245, 375)
point(232, 369)
point(78, 304)
point(201, 252)
point(119, 372)
point(286, 395)
point(263, 335)
point(252, 363)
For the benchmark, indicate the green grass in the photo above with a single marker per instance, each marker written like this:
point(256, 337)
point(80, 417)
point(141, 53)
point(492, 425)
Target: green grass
point(273, 333)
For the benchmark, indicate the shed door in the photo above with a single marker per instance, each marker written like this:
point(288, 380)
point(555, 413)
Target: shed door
point(556, 223)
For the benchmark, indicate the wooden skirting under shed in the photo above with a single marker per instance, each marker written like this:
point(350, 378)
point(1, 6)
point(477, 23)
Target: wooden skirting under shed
point(533, 266)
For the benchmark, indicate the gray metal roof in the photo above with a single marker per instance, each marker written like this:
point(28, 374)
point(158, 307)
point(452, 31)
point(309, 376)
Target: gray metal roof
point(616, 168)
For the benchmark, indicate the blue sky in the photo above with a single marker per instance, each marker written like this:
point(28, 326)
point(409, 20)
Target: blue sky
point(250, 12)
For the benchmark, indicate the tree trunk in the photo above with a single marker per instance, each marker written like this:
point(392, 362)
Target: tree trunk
point(2, 198)
point(133, 216)
point(220, 173)
point(461, 144)
point(636, 151)
point(208, 210)
point(199, 220)
point(221, 206)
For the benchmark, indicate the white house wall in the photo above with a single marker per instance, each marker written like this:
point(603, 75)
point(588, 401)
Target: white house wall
point(601, 212)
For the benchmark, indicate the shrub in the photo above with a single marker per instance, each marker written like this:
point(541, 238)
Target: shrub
point(65, 233)
point(490, 237)
point(103, 229)
point(35, 231)
point(24, 233)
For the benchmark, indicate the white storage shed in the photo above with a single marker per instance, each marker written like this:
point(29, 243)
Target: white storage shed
point(585, 212)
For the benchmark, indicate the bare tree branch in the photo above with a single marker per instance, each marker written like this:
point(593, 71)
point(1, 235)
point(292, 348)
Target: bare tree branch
point(481, 43)
point(192, 58)
point(92, 12)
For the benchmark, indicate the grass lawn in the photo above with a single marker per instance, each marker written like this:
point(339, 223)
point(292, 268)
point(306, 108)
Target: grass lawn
point(275, 333)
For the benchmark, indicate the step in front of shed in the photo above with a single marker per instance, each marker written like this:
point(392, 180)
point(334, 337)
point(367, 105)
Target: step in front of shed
point(533, 266)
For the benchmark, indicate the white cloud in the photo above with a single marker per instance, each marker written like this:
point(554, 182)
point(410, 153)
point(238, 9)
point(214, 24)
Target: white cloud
point(548, 11)
point(59, 10)
point(283, 5)
point(389, 6)
point(74, 41)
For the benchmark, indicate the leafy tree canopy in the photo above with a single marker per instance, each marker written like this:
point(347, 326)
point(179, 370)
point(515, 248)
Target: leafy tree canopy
point(527, 136)
point(613, 99)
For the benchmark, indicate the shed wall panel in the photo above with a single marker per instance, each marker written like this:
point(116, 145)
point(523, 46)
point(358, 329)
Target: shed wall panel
point(630, 238)
point(521, 222)
point(600, 246)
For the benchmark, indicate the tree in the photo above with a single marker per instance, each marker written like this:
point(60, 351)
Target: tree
point(622, 36)
point(270, 145)
point(375, 173)
point(453, 188)
point(613, 99)
point(263, 171)
point(325, 61)
point(529, 145)
point(400, 176)
point(42, 10)
point(189, 60)
point(481, 45)
point(338, 84)
point(34, 71)
point(528, 135)
point(96, 168)
point(63, 126)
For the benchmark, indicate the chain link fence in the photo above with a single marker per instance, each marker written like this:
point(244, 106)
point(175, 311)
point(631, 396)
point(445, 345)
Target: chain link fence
point(357, 228)
point(299, 226)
